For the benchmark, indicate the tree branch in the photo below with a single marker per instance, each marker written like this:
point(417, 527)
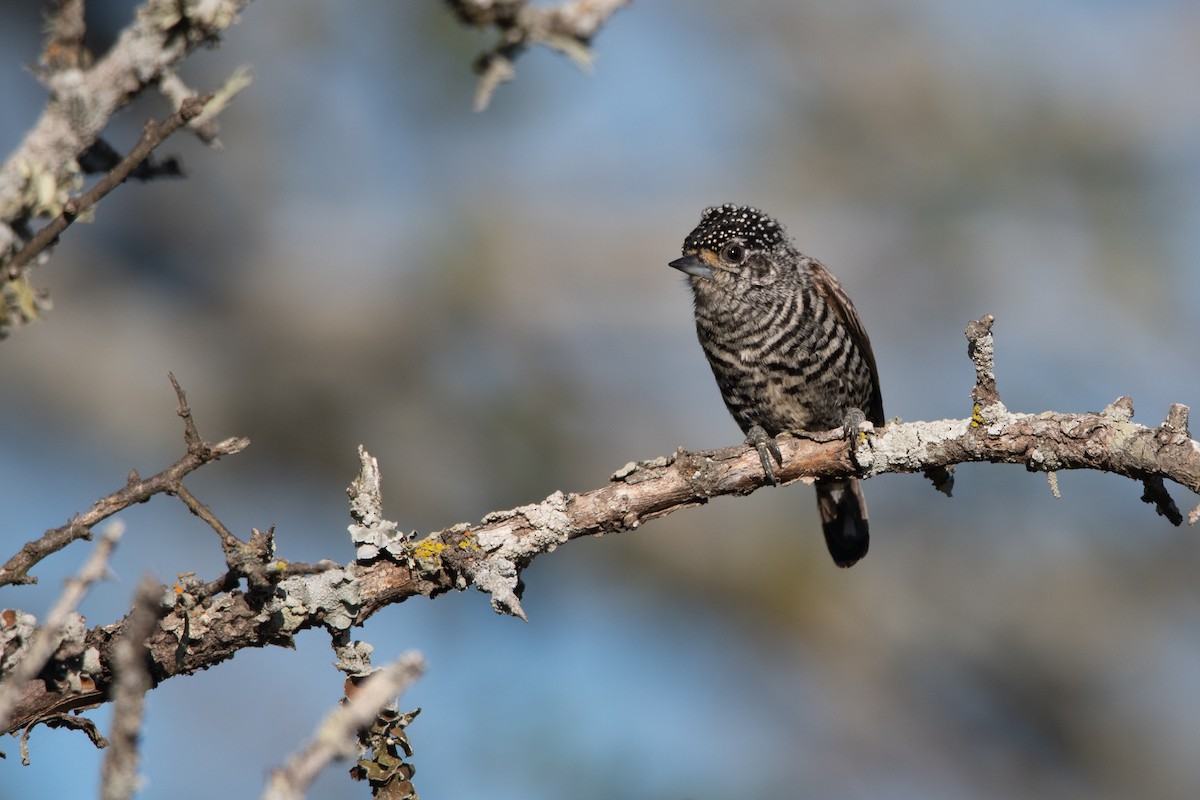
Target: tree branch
point(337, 737)
point(33, 652)
point(153, 134)
point(209, 624)
point(568, 28)
point(38, 175)
point(119, 776)
point(136, 490)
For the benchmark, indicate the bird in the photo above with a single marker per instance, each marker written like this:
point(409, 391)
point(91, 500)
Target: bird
point(787, 349)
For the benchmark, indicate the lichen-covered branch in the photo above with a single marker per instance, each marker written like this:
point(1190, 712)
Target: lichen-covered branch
point(27, 654)
point(568, 27)
point(119, 778)
point(83, 98)
point(204, 624)
point(337, 737)
point(153, 135)
point(40, 177)
point(492, 554)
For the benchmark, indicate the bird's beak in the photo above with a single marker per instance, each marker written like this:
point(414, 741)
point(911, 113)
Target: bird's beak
point(692, 265)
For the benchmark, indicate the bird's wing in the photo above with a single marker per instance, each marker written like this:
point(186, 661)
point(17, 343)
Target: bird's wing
point(833, 293)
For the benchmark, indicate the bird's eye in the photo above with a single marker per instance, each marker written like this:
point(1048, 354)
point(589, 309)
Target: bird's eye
point(733, 253)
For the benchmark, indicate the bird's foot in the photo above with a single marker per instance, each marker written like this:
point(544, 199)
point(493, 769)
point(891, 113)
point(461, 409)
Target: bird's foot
point(758, 438)
point(852, 422)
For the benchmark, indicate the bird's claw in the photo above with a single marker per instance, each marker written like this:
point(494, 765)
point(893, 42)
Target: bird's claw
point(852, 422)
point(767, 449)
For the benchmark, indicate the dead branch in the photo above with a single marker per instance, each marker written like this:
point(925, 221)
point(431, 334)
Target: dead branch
point(568, 28)
point(153, 134)
point(136, 490)
point(41, 177)
point(34, 651)
point(119, 776)
point(208, 623)
point(37, 177)
point(337, 737)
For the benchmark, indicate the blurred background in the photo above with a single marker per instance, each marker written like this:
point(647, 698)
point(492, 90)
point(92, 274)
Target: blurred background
point(483, 301)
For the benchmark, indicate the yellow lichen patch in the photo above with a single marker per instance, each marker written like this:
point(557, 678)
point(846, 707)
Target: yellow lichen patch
point(977, 419)
point(428, 549)
point(468, 543)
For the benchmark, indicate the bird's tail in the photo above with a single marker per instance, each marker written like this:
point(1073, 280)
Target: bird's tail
point(844, 519)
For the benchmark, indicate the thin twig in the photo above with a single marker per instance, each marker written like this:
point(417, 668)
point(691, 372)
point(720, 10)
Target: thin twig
point(153, 134)
point(191, 435)
point(229, 542)
point(136, 490)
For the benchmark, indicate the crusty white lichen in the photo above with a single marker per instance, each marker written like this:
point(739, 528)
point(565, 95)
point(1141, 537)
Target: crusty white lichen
point(372, 534)
point(332, 595)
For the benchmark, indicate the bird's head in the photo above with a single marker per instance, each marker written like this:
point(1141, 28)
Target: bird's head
point(737, 251)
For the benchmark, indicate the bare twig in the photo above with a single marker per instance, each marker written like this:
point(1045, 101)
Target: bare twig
point(153, 134)
point(205, 126)
point(62, 720)
point(191, 434)
point(49, 637)
point(337, 735)
point(229, 542)
point(119, 777)
point(136, 490)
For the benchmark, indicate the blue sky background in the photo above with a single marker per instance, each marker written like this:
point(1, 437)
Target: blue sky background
point(483, 301)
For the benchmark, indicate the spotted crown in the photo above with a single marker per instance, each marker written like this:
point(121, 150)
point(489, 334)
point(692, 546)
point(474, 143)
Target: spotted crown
point(719, 224)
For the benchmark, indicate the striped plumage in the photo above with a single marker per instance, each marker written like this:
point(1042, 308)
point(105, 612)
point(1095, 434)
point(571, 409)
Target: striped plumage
point(786, 347)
